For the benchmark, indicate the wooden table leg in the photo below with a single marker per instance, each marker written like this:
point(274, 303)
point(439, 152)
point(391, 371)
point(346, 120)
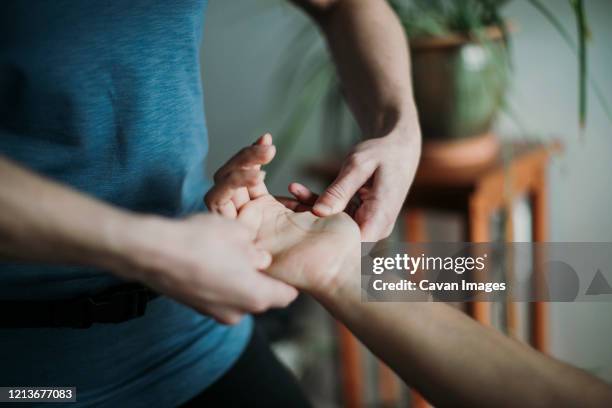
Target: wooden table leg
point(478, 218)
point(414, 226)
point(415, 230)
point(351, 369)
point(478, 223)
point(539, 214)
point(417, 400)
point(511, 313)
point(388, 386)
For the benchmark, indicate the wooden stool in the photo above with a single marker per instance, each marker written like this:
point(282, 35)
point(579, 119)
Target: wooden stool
point(476, 193)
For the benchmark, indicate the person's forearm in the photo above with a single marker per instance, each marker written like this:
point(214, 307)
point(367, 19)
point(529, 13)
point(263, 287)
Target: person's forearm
point(370, 50)
point(203, 261)
point(454, 361)
point(42, 221)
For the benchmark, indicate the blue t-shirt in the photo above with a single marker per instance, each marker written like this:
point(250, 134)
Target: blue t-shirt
point(105, 96)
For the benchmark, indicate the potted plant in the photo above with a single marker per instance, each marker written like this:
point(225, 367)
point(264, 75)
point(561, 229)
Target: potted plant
point(460, 68)
point(459, 65)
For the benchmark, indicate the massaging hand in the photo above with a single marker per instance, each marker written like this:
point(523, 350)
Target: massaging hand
point(209, 263)
point(371, 186)
point(378, 173)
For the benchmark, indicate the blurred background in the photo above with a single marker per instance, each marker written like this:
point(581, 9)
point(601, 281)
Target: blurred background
point(256, 67)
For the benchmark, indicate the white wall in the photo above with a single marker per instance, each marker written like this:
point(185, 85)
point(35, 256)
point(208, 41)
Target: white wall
point(242, 48)
point(243, 45)
point(545, 97)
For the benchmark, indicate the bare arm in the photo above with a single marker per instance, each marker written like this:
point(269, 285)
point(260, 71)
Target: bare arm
point(448, 357)
point(371, 54)
point(454, 361)
point(204, 261)
point(42, 221)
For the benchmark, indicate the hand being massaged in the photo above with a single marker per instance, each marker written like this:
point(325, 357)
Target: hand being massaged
point(309, 252)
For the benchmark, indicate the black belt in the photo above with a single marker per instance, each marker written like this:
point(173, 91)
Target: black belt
point(115, 305)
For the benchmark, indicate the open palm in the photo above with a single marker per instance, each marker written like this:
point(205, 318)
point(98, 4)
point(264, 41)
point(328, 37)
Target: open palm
point(308, 251)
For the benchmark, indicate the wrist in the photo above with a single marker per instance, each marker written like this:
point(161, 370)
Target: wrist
point(407, 127)
point(134, 245)
point(345, 287)
point(341, 300)
point(400, 121)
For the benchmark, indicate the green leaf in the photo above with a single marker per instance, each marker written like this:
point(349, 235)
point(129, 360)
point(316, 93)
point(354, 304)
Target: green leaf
point(581, 24)
point(313, 91)
point(580, 47)
point(569, 40)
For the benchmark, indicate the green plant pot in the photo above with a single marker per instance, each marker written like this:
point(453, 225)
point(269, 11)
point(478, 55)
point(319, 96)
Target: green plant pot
point(459, 84)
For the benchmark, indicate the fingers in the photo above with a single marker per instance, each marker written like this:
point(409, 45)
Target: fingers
point(241, 178)
point(240, 197)
point(264, 140)
point(227, 209)
point(372, 223)
point(256, 292)
point(378, 200)
point(219, 198)
point(376, 214)
point(271, 293)
point(260, 294)
point(303, 194)
point(290, 203)
point(353, 175)
point(223, 314)
point(217, 269)
point(293, 204)
point(260, 189)
point(250, 156)
point(261, 259)
point(305, 199)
